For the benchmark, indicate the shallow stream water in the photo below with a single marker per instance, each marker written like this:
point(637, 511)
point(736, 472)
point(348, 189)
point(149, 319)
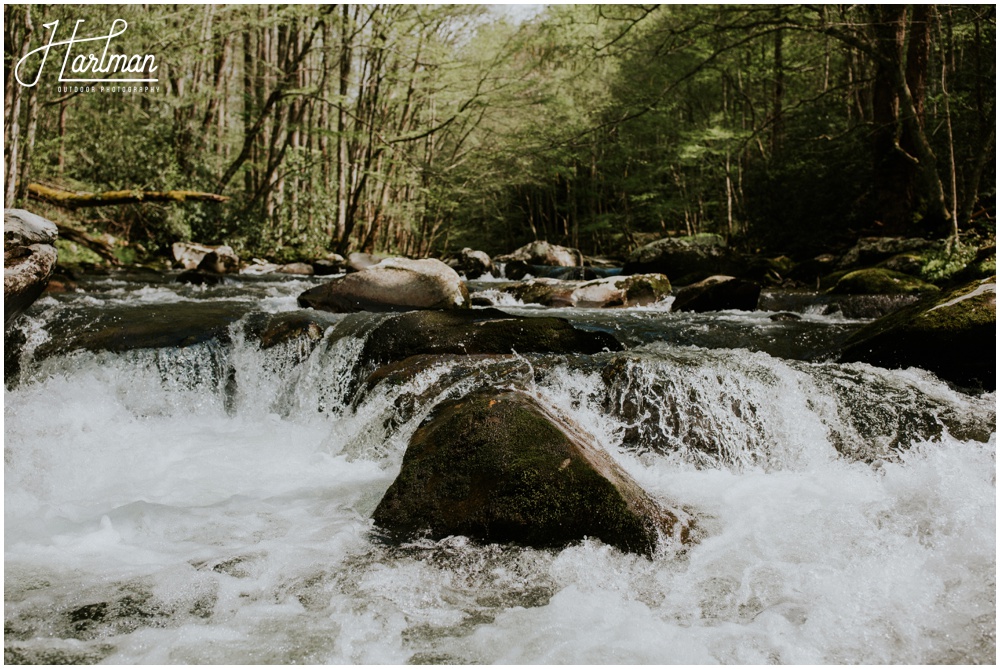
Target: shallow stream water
point(207, 501)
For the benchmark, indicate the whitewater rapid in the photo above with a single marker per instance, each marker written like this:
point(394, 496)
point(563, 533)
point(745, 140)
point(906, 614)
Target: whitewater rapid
point(160, 508)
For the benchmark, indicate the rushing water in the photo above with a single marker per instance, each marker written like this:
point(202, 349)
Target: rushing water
point(211, 503)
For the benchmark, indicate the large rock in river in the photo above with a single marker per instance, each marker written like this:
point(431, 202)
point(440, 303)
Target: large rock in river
point(28, 260)
point(880, 281)
point(501, 468)
point(717, 293)
point(952, 335)
point(544, 253)
point(685, 259)
point(394, 284)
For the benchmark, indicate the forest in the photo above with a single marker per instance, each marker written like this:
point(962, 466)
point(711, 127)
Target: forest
point(301, 130)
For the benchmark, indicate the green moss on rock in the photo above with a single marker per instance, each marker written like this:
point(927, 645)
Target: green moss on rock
point(499, 468)
point(952, 335)
point(880, 281)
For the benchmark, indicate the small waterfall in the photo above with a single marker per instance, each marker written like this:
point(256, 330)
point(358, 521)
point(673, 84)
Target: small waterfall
point(211, 502)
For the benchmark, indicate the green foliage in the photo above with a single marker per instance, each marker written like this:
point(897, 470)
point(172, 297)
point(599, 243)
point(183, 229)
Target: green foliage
point(947, 260)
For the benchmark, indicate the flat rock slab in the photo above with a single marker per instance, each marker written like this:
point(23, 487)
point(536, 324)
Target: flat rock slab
point(477, 331)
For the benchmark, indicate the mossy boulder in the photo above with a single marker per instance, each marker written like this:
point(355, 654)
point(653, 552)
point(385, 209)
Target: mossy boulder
point(717, 293)
point(477, 331)
point(394, 284)
point(951, 334)
point(880, 281)
point(500, 468)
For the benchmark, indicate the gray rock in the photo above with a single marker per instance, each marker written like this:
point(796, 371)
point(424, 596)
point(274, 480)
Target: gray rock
point(22, 228)
point(394, 284)
point(544, 253)
point(25, 274)
point(28, 259)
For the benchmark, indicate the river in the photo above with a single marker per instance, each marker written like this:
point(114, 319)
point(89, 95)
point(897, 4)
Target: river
point(210, 502)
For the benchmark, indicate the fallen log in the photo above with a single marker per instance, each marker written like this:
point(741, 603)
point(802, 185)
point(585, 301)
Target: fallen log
point(74, 200)
point(98, 246)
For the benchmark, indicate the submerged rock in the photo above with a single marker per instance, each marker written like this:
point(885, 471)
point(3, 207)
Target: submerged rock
point(717, 293)
point(685, 259)
point(28, 261)
point(477, 331)
point(394, 284)
point(952, 335)
point(498, 467)
point(880, 281)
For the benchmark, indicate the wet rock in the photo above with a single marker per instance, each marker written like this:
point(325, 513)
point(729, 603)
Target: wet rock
point(717, 293)
point(544, 253)
point(28, 261)
point(197, 277)
point(124, 328)
point(685, 259)
point(515, 270)
point(358, 261)
point(952, 335)
point(298, 268)
point(220, 260)
point(478, 331)
point(306, 326)
point(784, 316)
point(395, 284)
point(880, 281)
point(471, 264)
point(500, 468)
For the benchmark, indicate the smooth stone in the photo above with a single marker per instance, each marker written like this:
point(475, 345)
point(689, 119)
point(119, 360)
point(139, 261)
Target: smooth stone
point(395, 284)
